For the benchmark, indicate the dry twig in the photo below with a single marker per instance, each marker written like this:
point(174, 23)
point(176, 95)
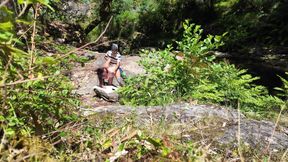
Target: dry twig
point(273, 133)
point(23, 10)
point(23, 35)
point(284, 155)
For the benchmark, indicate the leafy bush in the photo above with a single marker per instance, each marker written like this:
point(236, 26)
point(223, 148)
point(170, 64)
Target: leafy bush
point(168, 77)
point(35, 96)
point(232, 86)
point(195, 76)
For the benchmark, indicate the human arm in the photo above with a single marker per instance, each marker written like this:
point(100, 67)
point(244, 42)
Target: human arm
point(106, 64)
point(118, 63)
point(108, 60)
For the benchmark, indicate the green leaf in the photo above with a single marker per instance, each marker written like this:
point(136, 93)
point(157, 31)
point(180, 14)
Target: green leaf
point(107, 144)
point(49, 60)
point(2, 118)
point(24, 21)
point(5, 36)
point(5, 14)
point(165, 151)
point(9, 132)
point(63, 134)
point(17, 52)
point(6, 26)
point(43, 2)
point(155, 142)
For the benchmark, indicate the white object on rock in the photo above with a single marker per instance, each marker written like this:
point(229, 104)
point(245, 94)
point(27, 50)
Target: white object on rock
point(107, 92)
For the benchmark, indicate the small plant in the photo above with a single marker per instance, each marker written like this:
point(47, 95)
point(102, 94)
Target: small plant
point(284, 90)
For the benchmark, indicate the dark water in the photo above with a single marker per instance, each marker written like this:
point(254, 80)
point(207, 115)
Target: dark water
point(269, 75)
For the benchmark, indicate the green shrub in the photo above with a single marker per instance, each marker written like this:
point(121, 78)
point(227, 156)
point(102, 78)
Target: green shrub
point(233, 86)
point(196, 76)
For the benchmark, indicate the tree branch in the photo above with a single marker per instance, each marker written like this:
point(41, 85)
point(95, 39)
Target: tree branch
point(4, 3)
point(22, 81)
point(76, 49)
point(23, 10)
point(32, 58)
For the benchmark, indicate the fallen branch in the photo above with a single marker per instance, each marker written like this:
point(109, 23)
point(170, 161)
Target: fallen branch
point(100, 36)
point(22, 81)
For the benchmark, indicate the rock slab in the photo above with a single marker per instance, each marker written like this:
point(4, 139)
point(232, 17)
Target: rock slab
point(256, 134)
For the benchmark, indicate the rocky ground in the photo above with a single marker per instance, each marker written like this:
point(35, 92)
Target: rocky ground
point(221, 124)
point(85, 78)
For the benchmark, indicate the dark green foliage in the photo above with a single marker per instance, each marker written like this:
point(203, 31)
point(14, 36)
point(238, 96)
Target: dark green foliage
point(232, 86)
point(154, 23)
point(252, 22)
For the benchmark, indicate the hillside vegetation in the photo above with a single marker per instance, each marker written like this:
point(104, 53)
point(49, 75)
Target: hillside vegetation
point(42, 40)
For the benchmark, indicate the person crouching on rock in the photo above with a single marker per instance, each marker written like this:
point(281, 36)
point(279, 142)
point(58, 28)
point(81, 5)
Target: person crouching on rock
point(112, 64)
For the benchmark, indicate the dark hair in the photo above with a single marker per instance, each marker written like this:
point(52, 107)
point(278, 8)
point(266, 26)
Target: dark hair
point(101, 73)
point(114, 47)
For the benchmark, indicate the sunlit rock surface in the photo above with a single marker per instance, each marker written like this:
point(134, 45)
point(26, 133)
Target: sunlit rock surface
point(222, 127)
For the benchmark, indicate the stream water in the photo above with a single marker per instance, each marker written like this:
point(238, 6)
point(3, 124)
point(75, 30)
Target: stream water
point(269, 75)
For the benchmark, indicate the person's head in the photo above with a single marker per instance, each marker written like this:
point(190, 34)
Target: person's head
point(114, 47)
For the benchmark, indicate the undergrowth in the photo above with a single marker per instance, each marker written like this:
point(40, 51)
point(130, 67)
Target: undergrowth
point(105, 137)
point(193, 73)
point(39, 121)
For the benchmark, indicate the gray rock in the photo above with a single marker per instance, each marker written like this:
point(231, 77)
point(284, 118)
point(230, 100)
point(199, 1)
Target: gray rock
point(257, 134)
point(254, 133)
point(89, 55)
